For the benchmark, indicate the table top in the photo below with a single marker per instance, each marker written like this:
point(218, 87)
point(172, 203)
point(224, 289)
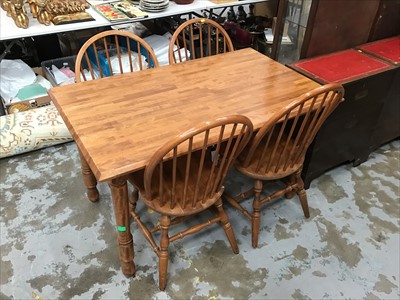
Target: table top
point(119, 122)
point(8, 29)
point(342, 66)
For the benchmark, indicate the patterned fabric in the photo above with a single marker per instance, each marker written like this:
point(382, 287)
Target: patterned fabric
point(30, 130)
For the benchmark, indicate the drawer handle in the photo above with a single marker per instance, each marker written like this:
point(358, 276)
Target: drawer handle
point(361, 94)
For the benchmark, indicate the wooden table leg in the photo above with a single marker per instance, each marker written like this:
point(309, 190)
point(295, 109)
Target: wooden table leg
point(89, 180)
point(119, 191)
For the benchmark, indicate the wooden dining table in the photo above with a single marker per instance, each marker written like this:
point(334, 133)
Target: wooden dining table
point(118, 122)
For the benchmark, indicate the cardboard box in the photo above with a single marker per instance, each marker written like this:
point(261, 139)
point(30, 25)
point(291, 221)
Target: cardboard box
point(25, 104)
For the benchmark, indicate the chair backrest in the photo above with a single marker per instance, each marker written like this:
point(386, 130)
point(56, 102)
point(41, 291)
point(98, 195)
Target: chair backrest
point(185, 175)
point(107, 53)
point(197, 38)
point(279, 147)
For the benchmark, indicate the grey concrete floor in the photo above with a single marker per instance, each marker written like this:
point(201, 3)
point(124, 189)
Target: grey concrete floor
point(55, 244)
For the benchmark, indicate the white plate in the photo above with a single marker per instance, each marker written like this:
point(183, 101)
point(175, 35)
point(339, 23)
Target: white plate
point(152, 6)
point(154, 2)
point(153, 9)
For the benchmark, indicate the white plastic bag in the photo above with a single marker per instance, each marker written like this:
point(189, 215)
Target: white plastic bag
point(14, 75)
point(126, 63)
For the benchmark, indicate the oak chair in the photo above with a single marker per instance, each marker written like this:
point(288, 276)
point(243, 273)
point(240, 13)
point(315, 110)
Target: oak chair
point(197, 38)
point(277, 151)
point(107, 53)
point(112, 59)
point(183, 178)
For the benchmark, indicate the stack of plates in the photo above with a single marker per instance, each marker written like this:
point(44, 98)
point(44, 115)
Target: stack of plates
point(153, 5)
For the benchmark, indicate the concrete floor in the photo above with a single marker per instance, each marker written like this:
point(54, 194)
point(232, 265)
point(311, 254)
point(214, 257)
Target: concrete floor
point(57, 245)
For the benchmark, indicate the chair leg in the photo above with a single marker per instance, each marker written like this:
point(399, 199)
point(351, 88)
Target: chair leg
point(165, 222)
point(133, 200)
point(255, 226)
point(301, 192)
point(226, 225)
point(290, 181)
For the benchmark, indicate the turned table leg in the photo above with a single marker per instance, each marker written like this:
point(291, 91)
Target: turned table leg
point(89, 180)
point(119, 192)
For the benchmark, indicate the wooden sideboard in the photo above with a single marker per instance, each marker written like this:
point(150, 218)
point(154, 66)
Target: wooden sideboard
point(366, 119)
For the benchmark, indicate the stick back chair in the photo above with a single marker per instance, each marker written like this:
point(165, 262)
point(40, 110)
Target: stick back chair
point(197, 38)
point(114, 43)
point(183, 179)
point(278, 150)
point(107, 53)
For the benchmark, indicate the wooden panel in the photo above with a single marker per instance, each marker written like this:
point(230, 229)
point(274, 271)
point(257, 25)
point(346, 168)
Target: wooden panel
point(388, 124)
point(118, 122)
point(350, 133)
point(338, 25)
point(387, 21)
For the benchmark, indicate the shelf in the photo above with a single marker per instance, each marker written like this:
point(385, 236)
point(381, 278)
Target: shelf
point(9, 31)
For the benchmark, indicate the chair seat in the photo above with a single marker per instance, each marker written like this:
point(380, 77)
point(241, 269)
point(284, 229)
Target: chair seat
point(178, 210)
point(258, 168)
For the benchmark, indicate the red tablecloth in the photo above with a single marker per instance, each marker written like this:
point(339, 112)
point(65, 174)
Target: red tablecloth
point(341, 66)
point(388, 49)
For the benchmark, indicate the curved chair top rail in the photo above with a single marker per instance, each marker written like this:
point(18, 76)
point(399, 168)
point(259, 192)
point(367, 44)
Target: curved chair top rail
point(206, 35)
point(106, 54)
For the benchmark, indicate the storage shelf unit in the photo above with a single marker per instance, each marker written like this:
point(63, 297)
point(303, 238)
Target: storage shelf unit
point(9, 31)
